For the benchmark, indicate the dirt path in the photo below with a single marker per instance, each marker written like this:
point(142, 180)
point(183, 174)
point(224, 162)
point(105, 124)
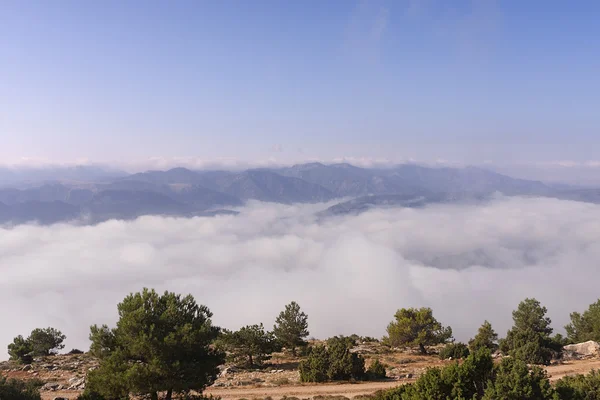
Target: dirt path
point(572, 368)
point(303, 391)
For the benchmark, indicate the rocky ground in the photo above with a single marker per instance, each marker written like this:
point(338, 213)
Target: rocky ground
point(63, 376)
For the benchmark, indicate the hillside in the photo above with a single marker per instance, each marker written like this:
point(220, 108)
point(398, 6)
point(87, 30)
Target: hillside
point(183, 192)
point(64, 375)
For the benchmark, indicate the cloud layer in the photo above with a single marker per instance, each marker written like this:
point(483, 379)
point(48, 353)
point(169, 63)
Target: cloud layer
point(349, 274)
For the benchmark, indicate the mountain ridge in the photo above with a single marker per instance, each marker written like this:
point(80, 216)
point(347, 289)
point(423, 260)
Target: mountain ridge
point(184, 192)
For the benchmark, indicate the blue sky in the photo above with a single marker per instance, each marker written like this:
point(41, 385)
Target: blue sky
point(463, 81)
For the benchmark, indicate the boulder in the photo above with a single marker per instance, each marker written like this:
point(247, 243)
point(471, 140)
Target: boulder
point(589, 348)
point(51, 386)
point(26, 367)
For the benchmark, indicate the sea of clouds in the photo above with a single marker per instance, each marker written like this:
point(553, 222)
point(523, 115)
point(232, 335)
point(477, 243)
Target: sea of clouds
point(350, 274)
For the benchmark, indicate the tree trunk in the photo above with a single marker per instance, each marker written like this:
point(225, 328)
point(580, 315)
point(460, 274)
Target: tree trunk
point(250, 360)
point(422, 348)
point(154, 396)
point(294, 351)
point(169, 394)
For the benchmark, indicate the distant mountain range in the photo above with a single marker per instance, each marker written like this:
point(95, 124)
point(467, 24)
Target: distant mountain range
point(93, 196)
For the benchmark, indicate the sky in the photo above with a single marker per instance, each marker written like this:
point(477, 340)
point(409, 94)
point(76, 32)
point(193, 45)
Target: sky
point(349, 274)
point(499, 82)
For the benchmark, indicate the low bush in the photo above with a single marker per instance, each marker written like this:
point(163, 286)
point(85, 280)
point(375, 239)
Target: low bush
point(454, 351)
point(332, 363)
point(376, 370)
point(13, 389)
point(579, 387)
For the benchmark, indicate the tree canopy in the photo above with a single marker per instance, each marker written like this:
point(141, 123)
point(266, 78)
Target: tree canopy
point(161, 343)
point(586, 326)
point(20, 350)
point(291, 327)
point(486, 337)
point(249, 346)
point(417, 327)
point(45, 342)
point(41, 342)
point(529, 339)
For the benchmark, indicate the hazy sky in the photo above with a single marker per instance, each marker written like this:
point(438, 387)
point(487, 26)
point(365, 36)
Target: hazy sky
point(465, 81)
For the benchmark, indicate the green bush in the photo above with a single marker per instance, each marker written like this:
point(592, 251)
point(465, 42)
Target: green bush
point(332, 363)
point(477, 378)
point(75, 351)
point(12, 389)
point(579, 387)
point(376, 370)
point(316, 365)
point(456, 381)
point(454, 351)
point(344, 365)
point(514, 380)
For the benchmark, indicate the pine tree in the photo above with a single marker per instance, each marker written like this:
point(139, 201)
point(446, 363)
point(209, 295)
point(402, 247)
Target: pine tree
point(162, 343)
point(417, 327)
point(291, 327)
point(486, 337)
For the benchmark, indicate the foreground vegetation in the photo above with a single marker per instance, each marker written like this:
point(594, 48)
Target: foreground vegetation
point(479, 378)
point(166, 346)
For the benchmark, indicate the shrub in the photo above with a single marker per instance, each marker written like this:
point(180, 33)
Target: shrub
point(376, 370)
point(456, 381)
point(514, 380)
point(281, 381)
point(12, 389)
point(316, 365)
point(477, 378)
point(75, 351)
point(334, 362)
point(344, 365)
point(455, 351)
point(579, 387)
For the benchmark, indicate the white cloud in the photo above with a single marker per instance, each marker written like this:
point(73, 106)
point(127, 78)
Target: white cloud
point(350, 274)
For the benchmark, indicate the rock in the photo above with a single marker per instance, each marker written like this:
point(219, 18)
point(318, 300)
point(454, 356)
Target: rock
point(50, 386)
point(76, 383)
point(589, 348)
point(26, 367)
point(229, 370)
point(60, 398)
